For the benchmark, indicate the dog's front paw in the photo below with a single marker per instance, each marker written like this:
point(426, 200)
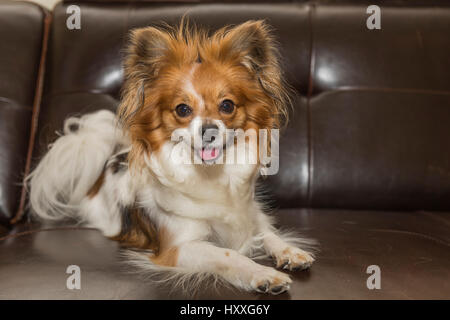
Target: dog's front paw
point(269, 280)
point(293, 259)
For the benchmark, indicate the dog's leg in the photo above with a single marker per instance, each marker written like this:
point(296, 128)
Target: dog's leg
point(286, 256)
point(242, 272)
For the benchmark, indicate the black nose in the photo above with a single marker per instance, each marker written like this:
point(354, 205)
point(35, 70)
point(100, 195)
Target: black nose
point(209, 131)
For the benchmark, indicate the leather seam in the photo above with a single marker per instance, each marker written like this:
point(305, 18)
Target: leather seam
point(308, 105)
point(384, 89)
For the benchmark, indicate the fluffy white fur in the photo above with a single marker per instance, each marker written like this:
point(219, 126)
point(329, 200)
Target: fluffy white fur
point(72, 165)
point(210, 211)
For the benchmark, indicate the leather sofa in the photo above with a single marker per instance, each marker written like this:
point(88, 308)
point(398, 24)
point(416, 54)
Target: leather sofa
point(364, 162)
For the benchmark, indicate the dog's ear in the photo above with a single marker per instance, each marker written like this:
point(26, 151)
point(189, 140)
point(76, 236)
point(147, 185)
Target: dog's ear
point(144, 56)
point(146, 50)
point(251, 44)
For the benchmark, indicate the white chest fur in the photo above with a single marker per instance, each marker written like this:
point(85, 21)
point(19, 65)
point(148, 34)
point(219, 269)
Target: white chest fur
point(222, 196)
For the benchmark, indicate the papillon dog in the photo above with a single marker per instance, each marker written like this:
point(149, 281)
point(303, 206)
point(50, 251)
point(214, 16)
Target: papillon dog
point(158, 176)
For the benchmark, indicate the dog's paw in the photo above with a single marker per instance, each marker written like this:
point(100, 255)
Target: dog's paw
point(293, 259)
point(269, 280)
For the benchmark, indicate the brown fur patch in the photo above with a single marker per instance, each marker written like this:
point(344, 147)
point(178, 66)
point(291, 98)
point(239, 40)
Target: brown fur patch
point(138, 231)
point(168, 258)
point(276, 281)
point(167, 254)
point(97, 185)
point(301, 257)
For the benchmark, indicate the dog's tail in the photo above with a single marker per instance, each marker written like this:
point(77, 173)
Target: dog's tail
point(73, 163)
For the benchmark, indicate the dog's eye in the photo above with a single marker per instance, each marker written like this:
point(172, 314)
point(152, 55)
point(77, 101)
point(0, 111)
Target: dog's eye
point(226, 106)
point(183, 110)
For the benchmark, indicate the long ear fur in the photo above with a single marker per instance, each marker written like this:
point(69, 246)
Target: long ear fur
point(253, 44)
point(148, 50)
point(144, 57)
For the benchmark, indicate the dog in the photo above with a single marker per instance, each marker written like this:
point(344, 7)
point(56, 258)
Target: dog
point(118, 172)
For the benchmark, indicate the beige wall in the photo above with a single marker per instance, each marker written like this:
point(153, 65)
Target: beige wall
point(49, 4)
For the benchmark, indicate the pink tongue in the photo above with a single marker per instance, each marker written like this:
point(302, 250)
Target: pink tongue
point(209, 154)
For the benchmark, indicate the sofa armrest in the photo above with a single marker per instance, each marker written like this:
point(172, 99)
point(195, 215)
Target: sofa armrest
point(21, 38)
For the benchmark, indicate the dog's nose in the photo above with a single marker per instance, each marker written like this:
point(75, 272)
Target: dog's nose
point(209, 131)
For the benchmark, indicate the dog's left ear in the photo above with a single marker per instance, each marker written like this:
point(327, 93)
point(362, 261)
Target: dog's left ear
point(145, 55)
point(251, 43)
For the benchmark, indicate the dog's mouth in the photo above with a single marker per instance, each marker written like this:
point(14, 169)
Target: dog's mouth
point(209, 154)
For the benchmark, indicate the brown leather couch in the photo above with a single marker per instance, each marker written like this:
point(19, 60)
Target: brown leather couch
point(365, 161)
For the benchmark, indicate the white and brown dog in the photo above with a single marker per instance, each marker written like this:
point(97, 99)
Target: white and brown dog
point(119, 173)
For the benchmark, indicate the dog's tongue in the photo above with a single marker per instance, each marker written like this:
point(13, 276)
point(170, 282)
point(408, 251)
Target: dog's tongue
point(209, 154)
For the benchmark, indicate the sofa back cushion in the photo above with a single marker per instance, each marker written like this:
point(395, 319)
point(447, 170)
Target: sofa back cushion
point(369, 127)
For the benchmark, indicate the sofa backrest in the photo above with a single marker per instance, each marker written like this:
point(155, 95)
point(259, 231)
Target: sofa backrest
point(370, 126)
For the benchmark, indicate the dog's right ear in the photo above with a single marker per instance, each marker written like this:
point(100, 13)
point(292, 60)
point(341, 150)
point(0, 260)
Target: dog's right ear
point(147, 48)
point(145, 55)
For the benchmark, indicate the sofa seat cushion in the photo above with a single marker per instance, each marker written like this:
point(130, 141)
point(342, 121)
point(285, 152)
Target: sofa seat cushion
point(410, 248)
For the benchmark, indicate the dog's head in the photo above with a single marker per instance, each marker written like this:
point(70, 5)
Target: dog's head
point(184, 79)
